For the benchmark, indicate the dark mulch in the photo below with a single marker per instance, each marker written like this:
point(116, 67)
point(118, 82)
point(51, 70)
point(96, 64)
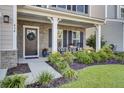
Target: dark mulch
point(77, 66)
point(19, 69)
point(56, 83)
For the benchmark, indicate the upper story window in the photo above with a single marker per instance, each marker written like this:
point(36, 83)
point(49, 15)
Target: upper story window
point(122, 12)
point(62, 6)
point(80, 8)
point(73, 8)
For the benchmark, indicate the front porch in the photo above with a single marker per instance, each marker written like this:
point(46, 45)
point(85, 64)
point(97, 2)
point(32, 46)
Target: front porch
point(52, 33)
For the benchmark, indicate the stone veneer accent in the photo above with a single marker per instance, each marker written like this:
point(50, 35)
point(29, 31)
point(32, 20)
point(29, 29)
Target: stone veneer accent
point(43, 33)
point(8, 59)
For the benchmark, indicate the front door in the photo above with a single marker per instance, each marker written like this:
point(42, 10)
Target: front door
point(31, 42)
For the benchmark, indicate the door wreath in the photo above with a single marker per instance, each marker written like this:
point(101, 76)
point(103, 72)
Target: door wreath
point(31, 36)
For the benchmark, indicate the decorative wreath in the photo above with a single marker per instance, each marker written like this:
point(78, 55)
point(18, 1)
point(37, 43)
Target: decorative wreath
point(31, 36)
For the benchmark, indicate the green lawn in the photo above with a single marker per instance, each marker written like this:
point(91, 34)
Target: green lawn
point(99, 76)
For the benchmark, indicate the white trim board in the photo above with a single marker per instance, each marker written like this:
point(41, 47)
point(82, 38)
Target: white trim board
point(26, 26)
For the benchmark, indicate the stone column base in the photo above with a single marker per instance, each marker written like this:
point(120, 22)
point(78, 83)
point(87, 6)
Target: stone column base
point(8, 59)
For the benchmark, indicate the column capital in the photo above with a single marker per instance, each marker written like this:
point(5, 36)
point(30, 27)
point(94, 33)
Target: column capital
point(54, 19)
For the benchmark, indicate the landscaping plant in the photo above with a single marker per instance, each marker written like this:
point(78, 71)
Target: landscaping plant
point(70, 73)
point(58, 61)
point(83, 57)
point(45, 78)
point(95, 56)
point(16, 81)
point(68, 57)
point(91, 41)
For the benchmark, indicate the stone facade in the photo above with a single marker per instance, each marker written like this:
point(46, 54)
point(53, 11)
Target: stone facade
point(8, 59)
point(43, 33)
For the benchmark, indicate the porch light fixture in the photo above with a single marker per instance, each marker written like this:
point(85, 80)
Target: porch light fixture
point(6, 19)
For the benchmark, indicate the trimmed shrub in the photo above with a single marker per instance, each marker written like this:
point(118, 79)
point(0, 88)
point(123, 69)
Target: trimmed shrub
point(70, 73)
point(45, 78)
point(83, 57)
point(16, 81)
point(68, 57)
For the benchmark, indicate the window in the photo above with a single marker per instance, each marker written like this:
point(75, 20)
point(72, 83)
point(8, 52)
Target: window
point(80, 8)
point(68, 7)
point(60, 38)
point(86, 9)
point(122, 12)
point(76, 37)
point(53, 5)
point(73, 7)
point(62, 6)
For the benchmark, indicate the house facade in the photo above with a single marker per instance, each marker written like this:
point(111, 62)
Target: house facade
point(33, 28)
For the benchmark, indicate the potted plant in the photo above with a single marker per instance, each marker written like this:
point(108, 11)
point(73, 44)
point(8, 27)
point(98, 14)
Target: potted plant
point(44, 52)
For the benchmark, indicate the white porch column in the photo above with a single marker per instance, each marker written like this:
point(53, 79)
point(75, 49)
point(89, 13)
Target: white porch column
point(98, 38)
point(54, 22)
point(14, 27)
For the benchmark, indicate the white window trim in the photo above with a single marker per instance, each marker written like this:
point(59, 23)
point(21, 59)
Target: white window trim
point(60, 38)
point(72, 10)
point(120, 12)
point(26, 26)
point(75, 38)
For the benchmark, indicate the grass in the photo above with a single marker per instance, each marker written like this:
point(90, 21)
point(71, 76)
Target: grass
point(99, 76)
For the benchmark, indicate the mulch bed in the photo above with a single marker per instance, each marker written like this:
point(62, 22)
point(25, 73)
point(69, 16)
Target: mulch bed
point(19, 69)
point(56, 83)
point(77, 66)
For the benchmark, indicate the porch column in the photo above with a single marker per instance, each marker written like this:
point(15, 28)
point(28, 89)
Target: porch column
point(54, 22)
point(14, 27)
point(98, 38)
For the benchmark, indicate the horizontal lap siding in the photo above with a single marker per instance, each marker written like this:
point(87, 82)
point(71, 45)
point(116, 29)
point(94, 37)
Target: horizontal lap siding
point(6, 29)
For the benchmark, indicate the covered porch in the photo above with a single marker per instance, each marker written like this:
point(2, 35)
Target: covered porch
point(41, 28)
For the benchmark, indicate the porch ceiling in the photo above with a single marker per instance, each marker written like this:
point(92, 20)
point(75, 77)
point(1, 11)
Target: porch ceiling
point(44, 19)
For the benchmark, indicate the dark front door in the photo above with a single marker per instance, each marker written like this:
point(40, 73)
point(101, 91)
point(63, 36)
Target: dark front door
point(31, 41)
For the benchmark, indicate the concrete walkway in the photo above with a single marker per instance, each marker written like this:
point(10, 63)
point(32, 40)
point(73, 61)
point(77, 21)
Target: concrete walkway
point(37, 66)
point(2, 73)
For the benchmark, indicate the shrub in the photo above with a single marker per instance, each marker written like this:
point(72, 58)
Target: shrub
point(83, 57)
point(55, 57)
point(91, 41)
point(61, 66)
point(45, 78)
point(58, 61)
point(103, 56)
point(95, 56)
point(119, 56)
point(70, 73)
point(15, 81)
point(68, 57)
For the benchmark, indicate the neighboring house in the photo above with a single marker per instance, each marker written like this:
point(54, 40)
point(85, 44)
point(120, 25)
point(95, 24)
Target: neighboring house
point(33, 28)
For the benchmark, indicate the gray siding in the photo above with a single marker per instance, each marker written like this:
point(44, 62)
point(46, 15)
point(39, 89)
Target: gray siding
point(6, 28)
point(97, 11)
point(112, 11)
point(113, 34)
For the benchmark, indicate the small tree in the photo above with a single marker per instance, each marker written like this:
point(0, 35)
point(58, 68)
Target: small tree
point(91, 41)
